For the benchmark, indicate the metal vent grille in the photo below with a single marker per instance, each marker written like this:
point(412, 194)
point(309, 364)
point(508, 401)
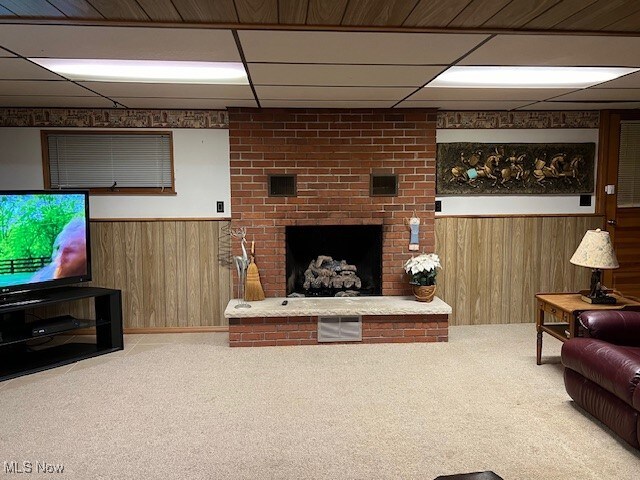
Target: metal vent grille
point(339, 329)
point(384, 184)
point(282, 185)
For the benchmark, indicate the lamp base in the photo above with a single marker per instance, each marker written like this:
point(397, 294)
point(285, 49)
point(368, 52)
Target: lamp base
point(602, 300)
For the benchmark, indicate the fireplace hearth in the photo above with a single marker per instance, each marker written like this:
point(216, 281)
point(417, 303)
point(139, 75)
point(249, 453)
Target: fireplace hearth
point(355, 252)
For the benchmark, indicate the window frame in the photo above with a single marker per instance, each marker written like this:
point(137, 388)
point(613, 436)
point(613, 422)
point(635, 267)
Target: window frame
point(46, 165)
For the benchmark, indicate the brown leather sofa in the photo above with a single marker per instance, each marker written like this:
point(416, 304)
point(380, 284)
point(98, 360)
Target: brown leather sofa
point(602, 370)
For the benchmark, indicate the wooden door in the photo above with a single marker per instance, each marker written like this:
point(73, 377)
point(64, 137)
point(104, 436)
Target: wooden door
point(622, 209)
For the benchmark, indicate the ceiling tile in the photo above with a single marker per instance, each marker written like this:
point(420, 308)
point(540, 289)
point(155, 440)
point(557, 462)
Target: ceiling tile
point(342, 75)
point(171, 90)
point(54, 101)
point(434, 93)
point(559, 50)
point(42, 87)
point(20, 69)
point(331, 93)
point(463, 104)
point(581, 106)
point(356, 47)
point(125, 43)
point(327, 103)
point(603, 95)
point(184, 103)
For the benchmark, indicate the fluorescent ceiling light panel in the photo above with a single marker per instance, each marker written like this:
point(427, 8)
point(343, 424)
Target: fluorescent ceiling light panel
point(527, 77)
point(146, 71)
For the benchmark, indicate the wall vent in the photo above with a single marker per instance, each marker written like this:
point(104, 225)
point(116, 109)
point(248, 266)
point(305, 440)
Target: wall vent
point(339, 329)
point(384, 185)
point(282, 186)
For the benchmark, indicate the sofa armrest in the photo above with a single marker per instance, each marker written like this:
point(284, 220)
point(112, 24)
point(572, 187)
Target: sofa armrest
point(613, 326)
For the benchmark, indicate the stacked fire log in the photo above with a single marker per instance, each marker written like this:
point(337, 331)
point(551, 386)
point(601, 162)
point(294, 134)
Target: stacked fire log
point(325, 272)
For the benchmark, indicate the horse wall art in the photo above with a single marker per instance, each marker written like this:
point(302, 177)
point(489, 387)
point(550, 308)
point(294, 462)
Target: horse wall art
point(515, 168)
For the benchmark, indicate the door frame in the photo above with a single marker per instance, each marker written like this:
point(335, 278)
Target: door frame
point(607, 171)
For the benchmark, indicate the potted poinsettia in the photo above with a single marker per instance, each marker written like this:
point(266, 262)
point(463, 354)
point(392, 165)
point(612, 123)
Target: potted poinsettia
point(423, 270)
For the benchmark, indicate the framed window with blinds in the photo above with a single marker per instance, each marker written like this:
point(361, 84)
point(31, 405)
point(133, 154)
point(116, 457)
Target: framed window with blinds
point(629, 165)
point(109, 162)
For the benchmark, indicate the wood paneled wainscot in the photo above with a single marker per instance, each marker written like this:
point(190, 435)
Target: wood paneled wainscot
point(172, 273)
point(494, 266)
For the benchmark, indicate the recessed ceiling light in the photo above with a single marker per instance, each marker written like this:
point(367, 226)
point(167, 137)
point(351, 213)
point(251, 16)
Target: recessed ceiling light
point(527, 77)
point(146, 71)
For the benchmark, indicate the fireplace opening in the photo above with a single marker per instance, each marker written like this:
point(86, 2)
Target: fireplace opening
point(334, 260)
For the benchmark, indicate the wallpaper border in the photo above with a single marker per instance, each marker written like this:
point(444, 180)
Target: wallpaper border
point(548, 119)
point(112, 118)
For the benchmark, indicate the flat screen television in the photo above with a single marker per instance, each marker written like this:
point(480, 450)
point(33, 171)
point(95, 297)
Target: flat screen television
point(44, 240)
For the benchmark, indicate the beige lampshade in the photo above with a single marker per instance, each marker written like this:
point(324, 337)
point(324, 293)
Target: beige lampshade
point(595, 251)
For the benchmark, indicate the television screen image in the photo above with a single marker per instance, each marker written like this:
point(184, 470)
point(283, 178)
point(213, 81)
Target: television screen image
point(43, 239)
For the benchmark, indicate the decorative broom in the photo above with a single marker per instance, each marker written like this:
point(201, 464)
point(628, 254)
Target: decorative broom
point(253, 289)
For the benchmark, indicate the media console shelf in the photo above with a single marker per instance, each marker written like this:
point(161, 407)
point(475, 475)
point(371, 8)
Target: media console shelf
point(18, 358)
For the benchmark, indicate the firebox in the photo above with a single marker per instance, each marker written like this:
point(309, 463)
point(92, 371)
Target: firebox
point(334, 260)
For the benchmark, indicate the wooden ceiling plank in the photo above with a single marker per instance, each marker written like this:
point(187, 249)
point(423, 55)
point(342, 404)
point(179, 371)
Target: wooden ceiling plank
point(207, 11)
point(257, 11)
point(631, 23)
point(517, 13)
point(30, 8)
point(6, 13)
point(558, 13)
point(478, 12)
point(388, 13)
point(76, 8)
point(160, 10)
point(119, 9)
point(599, 15)
point(326, 12)
point(292, 12)
point(435, 14)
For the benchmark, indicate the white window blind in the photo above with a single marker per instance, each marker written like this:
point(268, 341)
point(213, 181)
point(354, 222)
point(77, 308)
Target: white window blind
point(629, 165)
point(99, 160)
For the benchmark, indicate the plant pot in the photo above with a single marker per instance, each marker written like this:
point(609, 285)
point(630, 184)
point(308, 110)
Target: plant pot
point(424, 293)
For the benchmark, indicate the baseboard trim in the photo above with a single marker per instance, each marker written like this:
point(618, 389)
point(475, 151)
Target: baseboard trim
point(147, 330)
point(201, 329)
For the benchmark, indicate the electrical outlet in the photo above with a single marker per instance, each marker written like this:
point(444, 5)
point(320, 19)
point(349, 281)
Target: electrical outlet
point(220, 207)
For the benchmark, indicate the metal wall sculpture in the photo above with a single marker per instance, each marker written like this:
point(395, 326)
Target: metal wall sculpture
point(515, 168)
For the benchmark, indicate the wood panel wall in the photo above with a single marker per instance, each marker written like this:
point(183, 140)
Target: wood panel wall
point(173, 274)
point(493, 267)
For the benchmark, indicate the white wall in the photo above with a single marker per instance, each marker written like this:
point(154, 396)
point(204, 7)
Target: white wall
point(515, 204)
point(202, 176)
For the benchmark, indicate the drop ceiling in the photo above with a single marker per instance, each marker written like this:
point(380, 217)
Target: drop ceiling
point(320, 53)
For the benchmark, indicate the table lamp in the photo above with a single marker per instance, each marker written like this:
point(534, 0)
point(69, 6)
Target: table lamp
point(596, 252)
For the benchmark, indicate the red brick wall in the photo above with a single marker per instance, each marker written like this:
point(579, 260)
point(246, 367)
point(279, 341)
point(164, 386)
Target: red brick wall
point(280, 331)
point(332, 152)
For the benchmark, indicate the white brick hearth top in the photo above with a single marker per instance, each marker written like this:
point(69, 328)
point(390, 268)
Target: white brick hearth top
point(311, 307)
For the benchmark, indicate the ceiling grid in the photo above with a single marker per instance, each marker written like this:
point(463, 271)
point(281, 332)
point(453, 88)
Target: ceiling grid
point(321, 53)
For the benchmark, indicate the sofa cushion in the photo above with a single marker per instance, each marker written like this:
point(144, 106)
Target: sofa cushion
point(613, 367)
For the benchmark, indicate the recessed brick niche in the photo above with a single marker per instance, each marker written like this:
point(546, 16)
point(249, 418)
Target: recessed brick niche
point(332, 153)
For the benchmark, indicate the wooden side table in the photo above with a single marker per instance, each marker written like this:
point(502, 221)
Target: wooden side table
point(565, 308)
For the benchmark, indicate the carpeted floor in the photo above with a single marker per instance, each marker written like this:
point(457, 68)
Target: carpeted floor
point(188, 407)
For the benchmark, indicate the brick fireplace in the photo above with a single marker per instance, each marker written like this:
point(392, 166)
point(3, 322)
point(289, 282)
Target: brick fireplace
point(332, 153)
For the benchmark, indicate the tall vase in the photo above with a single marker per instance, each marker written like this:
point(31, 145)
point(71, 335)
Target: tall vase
point(241, 266)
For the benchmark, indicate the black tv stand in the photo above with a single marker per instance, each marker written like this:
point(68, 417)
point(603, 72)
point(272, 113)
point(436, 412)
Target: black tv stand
point(16, 358)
